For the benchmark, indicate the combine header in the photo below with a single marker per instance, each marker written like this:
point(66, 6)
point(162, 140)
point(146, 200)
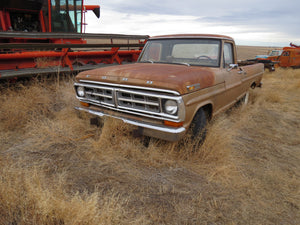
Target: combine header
point(45, 36)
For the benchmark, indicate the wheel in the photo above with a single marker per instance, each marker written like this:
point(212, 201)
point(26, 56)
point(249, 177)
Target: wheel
point(198, 128)
point(77, 63)
point(243, 101)
point(246, 98)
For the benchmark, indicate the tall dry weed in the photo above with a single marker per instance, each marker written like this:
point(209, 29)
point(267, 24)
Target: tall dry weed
point(31, 198)
point(16, 110)
point(59, 169)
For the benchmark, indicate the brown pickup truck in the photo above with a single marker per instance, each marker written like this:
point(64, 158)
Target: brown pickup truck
point(178, 83)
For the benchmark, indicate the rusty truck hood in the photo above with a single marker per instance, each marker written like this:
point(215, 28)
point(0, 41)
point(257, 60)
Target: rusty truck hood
point(164, 76)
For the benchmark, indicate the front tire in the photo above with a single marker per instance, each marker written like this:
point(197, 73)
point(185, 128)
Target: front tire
point(198, 128)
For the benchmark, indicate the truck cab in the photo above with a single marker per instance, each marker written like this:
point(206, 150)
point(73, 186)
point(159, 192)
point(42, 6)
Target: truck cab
point(290, 57)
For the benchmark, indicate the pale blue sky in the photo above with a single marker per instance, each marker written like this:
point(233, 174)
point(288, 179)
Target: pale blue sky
point(251, 22)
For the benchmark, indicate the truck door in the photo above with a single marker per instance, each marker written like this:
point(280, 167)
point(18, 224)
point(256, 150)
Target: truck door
point(285, 59)
point(233, 77)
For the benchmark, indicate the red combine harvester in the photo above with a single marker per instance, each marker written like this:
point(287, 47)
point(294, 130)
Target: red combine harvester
point(46, 36)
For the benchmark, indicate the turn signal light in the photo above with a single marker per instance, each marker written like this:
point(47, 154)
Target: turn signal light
point(85, 104)
point(173, 124)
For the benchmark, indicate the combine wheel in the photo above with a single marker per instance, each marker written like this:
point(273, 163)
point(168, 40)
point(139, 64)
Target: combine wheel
point(78, 63)
point(92, 62)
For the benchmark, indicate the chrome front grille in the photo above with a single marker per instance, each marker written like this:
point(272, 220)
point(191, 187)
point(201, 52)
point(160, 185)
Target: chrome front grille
point(99, 95)
point(130, 99)
point(137, 101)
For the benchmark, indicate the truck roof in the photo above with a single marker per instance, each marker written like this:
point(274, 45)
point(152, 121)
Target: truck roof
point(210, 36)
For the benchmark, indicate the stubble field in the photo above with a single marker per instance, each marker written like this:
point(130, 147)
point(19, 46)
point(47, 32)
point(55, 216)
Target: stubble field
point(56, 168)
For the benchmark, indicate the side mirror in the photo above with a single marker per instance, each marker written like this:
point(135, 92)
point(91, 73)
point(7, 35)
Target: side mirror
point(97, 12)
point(232, 66)
point(94, 8)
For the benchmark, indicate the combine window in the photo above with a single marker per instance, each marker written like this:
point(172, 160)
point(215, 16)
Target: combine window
point(66, 15)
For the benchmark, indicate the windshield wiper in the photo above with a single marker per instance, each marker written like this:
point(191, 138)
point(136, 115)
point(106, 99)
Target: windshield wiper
point(181, 63)
point(148, 61)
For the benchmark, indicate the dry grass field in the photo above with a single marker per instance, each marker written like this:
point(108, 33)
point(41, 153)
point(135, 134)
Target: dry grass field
point(58, 169)
point(249, 52)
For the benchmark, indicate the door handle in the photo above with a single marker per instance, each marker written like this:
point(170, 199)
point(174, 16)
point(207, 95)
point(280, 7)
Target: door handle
point(242, 71)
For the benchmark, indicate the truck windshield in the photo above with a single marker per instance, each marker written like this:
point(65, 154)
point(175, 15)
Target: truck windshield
point(199, 52)
point(275, 53)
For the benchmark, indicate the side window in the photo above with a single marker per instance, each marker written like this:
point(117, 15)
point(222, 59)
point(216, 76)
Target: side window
point(228, 54)
point(286, 54)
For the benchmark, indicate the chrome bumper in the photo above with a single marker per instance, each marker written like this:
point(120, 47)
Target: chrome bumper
point(147, 129)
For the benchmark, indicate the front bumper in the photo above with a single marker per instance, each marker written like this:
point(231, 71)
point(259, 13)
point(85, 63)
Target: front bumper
point(145, 128)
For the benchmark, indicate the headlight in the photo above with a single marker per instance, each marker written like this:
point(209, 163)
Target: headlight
point(80, 91)
point(171, 107)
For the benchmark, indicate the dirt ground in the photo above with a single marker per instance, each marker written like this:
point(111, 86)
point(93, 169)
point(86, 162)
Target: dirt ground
point(56, 168)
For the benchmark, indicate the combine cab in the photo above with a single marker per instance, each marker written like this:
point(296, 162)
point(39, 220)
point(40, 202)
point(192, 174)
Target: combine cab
point(45, 36)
